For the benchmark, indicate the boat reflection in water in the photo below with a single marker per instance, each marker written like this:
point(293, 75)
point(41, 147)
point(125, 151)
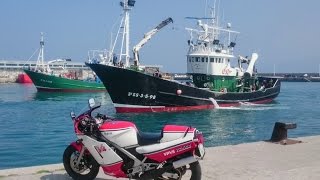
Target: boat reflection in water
point(61, 96)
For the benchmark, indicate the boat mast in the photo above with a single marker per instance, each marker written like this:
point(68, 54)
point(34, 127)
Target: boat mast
point(125, 25)
point(40, 61)
point(214, 22)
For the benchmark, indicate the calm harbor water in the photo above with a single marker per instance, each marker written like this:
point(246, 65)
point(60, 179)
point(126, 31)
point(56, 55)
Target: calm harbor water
point(35, 127)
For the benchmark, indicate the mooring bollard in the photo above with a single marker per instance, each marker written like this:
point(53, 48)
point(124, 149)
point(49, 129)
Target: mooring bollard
point(280, 133)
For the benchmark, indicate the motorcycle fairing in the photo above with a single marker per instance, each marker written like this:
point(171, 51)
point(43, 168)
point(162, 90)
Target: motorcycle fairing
point(76, 124)
point(114, 170)
point(101, 152)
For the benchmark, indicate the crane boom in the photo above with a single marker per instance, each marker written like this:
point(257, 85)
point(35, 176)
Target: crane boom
point(147, 37)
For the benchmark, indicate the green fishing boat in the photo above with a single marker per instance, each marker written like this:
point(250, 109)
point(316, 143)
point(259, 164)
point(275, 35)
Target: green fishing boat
point(62, 79)
point(48, 82)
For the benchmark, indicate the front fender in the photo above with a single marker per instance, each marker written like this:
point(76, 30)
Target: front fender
point(77, 145)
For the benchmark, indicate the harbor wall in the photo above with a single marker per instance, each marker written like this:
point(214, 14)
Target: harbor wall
point(10, 69)
point(9, 75)
point(285, 77)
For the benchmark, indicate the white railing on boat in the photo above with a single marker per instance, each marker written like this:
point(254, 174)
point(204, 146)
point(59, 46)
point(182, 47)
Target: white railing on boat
point(5, 64)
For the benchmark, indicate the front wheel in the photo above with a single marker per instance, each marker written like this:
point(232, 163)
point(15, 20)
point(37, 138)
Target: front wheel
point(87, 169)
point(193, 171)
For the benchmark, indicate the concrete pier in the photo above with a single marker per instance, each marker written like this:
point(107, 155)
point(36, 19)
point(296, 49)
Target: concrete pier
point(258, 160)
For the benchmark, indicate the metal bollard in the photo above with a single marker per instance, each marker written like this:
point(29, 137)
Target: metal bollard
point(280, 133)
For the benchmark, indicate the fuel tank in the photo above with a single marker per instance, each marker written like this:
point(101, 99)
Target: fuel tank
point(123, 133)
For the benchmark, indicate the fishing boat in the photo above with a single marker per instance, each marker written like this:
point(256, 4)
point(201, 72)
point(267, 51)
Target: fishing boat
point(45, 79)
point(214, 82)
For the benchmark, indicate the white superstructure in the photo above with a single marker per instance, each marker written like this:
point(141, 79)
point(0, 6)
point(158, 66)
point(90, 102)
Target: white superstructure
point(211, 49)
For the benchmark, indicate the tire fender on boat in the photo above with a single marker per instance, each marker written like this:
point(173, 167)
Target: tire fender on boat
point(179, 91)
point(223, 90)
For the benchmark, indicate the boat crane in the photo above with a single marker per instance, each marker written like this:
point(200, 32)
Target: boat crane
point(147, 37)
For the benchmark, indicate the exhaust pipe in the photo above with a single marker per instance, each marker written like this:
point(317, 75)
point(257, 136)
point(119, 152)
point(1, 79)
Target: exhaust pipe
point(152, 174)
point(155, 173)
point(184, 161)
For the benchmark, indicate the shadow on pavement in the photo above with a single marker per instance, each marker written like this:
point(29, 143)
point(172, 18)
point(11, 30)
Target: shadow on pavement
point(61, 177)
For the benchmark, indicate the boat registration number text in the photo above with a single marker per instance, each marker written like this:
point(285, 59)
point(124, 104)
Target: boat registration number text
point(44, 80)
point(141, 95)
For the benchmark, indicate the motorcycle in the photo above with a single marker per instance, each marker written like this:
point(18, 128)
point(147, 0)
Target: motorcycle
point(122, 151)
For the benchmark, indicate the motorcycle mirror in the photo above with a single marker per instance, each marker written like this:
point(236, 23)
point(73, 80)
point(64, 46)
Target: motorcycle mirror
point(73, 115)
point(91, 102)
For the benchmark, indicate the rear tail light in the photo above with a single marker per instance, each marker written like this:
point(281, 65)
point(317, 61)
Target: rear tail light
point(199, 151)
point(199, 136)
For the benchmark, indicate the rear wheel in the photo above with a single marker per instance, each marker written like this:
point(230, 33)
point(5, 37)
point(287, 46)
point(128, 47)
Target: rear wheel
point(87, 169)
point(193, 171)
point(196, 171)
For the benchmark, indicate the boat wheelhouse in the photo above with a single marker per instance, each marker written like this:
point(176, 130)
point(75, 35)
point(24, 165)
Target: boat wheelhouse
point(210, 58)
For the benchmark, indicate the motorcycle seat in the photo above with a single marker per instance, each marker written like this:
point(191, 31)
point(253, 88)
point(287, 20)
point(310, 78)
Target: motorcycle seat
point(147, 138)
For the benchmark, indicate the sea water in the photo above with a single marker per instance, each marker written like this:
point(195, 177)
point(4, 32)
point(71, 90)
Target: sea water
point(36, 127)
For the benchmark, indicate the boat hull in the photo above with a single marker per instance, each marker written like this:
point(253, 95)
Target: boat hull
point(132, 91)
point(45, 82)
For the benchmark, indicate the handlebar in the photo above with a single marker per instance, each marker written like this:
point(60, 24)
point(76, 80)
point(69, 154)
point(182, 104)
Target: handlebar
point(94, 108)
point(89, 124)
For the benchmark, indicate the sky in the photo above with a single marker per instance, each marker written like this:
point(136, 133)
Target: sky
point(285, 33)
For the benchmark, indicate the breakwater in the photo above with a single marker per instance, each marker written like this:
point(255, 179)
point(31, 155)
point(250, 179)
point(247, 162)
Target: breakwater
point(9, 71)
point(286, 77)
point(295, 77)
point(9, 75)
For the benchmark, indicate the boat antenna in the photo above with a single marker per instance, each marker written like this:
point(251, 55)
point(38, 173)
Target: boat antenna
point(213, 12)
point(40, 61)
point(218, 11)
point(205, 8)
point(126, 5)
